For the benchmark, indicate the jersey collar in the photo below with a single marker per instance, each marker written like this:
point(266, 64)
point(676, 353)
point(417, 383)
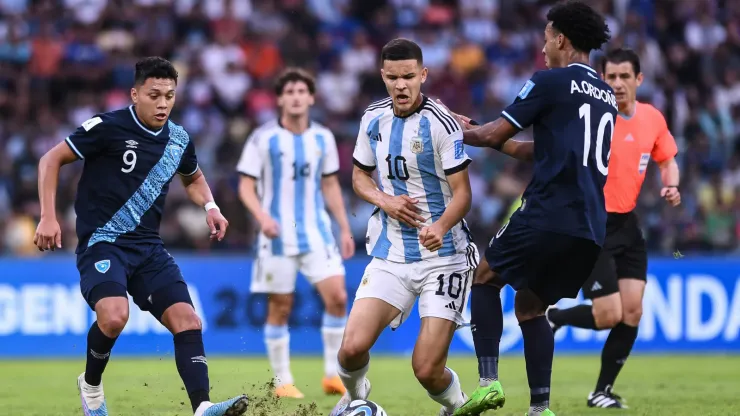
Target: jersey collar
point(310, 125)
point(136, 119)
point(583, 66)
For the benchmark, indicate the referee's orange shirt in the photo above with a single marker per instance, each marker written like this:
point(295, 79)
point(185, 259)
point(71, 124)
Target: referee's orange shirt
point(636, 140)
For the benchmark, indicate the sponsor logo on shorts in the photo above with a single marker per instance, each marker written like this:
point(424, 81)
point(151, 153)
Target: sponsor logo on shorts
point(596, 286)
point(102, 266)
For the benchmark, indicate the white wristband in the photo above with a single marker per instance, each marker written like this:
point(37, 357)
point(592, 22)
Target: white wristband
point(211, 205)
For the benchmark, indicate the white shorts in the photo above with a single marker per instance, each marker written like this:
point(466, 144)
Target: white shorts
point(442, 285)
point(277, 274)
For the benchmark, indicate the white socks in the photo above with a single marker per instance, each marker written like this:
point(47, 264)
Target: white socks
point(277, 340)
point(452, 397)
point(354, 381)
point(332, 331)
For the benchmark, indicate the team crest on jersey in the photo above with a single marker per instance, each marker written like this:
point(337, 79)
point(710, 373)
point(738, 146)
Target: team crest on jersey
point(526, 89)
point(417, 146)
point(102, 266)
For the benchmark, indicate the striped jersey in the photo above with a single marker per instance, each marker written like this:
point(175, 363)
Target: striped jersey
point(288, 168)
point(413, 156)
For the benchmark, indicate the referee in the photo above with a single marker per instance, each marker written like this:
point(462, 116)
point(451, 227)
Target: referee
point(617, 283)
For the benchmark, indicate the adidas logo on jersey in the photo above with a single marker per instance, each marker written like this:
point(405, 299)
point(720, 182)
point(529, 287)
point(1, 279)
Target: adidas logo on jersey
point(596, 286)
point(451, 305)
point(377, 138)
point(629, 138)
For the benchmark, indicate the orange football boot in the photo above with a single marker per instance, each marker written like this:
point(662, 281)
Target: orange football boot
point(333, 385)
point(289, 391)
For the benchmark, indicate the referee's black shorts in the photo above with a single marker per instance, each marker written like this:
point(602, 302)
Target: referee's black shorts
point(623, 255)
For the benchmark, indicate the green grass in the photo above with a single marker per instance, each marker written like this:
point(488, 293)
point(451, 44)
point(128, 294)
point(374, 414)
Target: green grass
point(674, 385)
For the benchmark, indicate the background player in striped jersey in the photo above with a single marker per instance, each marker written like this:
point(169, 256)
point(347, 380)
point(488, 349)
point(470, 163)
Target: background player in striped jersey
point(617, 282)
point(294, 160)
point(417, 237)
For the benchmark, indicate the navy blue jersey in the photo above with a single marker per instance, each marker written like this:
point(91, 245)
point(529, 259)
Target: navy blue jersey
point(127, 173)
point(572, 112)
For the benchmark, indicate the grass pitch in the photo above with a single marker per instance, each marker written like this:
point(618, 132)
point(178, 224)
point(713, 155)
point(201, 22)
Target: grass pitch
point(653, 385)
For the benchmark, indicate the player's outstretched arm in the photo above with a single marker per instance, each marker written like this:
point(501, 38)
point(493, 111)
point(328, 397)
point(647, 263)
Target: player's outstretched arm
point(48, 233)
point(519, 149)
point(402, 208)
point(334, 201)
point(431, 237)
point(200, 193)
point(493, 134)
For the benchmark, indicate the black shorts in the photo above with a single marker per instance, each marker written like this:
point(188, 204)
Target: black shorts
point(141, 270)
point(552, 265)
point(624, 256)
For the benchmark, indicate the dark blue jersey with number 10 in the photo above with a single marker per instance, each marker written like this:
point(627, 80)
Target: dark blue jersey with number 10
point(572, 112)
point(127, 173)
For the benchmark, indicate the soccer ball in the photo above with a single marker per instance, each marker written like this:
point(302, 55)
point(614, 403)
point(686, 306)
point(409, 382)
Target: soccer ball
point(362, 408)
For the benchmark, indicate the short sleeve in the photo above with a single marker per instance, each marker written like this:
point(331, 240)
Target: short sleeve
point(452, 153)
point(529, 103)
point(189, 162)
point(250, 162)
point(330, 162)
point(363, 155)
point(665, 145)
point(87, 141)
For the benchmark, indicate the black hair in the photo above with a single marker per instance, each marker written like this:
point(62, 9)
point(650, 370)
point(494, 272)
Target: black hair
point(583, 26)
point(294, 75)
point(154, 67)
point(400, 50)
point(620, 55)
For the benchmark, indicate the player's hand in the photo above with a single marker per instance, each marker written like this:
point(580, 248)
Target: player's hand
point(217, 223)
point(48, 235)
point(403, 208)
point(431, 237)
point(671, 195)
point(463, 120)
point(269, 226)
point(347, 246)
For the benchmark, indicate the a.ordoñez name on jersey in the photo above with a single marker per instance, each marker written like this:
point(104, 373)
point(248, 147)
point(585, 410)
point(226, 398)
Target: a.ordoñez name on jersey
point(589, 89)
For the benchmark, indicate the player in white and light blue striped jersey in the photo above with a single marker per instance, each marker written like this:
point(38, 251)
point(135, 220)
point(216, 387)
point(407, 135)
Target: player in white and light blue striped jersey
point(413, 156)
point(294, 163)
point(411, 164)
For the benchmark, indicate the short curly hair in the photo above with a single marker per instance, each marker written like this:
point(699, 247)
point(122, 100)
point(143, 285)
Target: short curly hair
point(583, 26)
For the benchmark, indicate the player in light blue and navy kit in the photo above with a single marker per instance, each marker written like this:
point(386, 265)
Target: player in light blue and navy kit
point(549, 246)
point(130, 157)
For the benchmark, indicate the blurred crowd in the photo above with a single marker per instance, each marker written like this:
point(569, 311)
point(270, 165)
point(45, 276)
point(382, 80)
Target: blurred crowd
point(61, 61)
